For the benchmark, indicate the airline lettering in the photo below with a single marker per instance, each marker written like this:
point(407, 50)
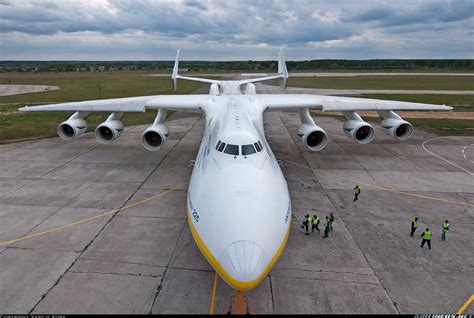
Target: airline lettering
point(193, 210)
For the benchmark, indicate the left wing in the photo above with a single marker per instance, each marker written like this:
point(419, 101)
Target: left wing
point(184, 103)
point(338, 104)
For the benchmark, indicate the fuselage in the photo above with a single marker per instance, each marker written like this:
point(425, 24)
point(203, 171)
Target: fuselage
point(239, 208)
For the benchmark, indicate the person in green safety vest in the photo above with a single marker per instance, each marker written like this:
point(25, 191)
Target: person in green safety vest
point(445, 230)
point(331, 221)
point(426, 235)
point(327, 224)
point(356, 192)
point(414, 226)
point(315, 223)
point(307, 222)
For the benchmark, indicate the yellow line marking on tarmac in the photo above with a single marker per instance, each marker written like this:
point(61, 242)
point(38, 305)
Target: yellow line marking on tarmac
point(92, 217)
point(466, 304)
point(379, 187)
point(213, 300)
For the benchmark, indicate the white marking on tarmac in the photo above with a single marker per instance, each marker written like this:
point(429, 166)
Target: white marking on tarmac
point(464, 153)
point(433, 154)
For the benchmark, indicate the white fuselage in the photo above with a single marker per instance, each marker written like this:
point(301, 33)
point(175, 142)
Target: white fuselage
point(239, 208)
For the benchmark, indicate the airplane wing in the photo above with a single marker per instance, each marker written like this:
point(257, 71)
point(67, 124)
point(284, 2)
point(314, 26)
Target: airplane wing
point(184, 103)
point(273, 102)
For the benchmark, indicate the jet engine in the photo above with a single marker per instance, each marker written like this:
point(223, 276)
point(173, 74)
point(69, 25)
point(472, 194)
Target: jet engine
point(74, 127)
point(110, 130)
point(394, 126)
point(313, 136)
point(359, 130)
point(154, 137)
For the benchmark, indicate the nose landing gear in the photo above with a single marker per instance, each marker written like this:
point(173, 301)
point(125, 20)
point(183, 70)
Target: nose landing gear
point(241, 303)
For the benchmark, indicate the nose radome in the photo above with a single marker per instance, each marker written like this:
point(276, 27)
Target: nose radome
point(244, 261)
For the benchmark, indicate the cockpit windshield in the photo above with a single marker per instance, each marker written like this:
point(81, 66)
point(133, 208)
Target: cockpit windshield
point(232, 150)
point(246, 150)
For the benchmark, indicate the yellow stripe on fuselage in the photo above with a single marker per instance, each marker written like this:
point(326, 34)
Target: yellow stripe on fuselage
point(242, 286)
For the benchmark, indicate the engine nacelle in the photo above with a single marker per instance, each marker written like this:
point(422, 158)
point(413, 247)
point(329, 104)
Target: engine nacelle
point(313, 136)
point(394, 126)
point(109, 130)
point(72, 128)
point(154, 137)
point(359, 130)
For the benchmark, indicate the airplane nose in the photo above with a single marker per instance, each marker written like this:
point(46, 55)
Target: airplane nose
point(244, 261)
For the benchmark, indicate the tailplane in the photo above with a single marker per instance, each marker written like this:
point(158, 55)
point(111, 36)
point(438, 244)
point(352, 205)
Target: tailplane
point(282, 75)
point(175, 75)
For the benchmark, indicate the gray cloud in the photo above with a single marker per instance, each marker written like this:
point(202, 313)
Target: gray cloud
point(125, 29)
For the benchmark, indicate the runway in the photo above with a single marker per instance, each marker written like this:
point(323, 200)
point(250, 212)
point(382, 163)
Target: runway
point(6, 90)
point(141, 258)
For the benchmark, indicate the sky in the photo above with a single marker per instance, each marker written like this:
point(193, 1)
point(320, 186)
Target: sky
point(235, 30)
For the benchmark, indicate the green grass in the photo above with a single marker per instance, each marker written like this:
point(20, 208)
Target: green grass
point(16, 126)
point(412, 82)
point(459, 102)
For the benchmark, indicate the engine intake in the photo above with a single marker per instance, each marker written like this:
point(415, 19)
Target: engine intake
point(155, 136)
point(74, 127)
point(359, 130)
point(313, 137)
point(394, 126)
point(109, 130)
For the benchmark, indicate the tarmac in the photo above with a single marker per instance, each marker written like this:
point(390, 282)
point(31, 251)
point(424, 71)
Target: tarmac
point(107, 255)
point(23, 89)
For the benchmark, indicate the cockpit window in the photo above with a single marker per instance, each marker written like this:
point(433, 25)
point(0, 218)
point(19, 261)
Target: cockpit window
point(257, 146)
point(221, 147)
point(218, 144)
point(248, 150)
point(260, 144)
point(232, 150)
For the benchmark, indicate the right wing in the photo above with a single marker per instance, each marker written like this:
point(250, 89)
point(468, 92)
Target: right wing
point(338, 104)
point(184, 103)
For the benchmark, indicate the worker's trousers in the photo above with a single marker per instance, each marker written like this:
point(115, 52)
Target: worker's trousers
point(443, 236)
point(427, 241)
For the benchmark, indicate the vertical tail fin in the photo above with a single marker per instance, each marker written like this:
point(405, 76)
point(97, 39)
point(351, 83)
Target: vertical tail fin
point(175, 71)
point(282, 69)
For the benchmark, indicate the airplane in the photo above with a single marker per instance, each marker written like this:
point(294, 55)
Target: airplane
point(238, 203)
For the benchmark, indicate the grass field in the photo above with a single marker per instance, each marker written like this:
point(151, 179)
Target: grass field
point(15, 126)
point(411, 82)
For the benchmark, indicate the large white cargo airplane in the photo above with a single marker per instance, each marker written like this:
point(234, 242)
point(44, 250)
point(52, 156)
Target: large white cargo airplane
point(238, 205)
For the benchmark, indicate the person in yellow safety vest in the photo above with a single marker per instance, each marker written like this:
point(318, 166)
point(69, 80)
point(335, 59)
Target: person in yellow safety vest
point(445, 230)
point(426, 235)
point(307, 222)
point(414, 226)
point(315, 223)
point(356, 192)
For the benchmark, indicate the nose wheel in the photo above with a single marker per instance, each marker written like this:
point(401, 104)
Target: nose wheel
point(241, 304)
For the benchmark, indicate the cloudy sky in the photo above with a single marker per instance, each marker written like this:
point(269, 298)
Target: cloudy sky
point(235, 30)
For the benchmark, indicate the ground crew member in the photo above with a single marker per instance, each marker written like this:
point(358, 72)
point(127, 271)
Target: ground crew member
point(426, 235)
point(326, 227)
point(331, 220)
point(307, 222)
point(414, 225)
point(315, 223)
point(445, 230)
point(356, 192)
